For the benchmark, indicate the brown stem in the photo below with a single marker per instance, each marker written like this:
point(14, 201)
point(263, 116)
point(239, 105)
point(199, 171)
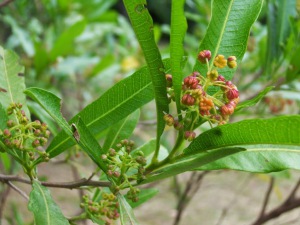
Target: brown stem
point(267, 197)
point(5, 3)
point(68, 185)
point(191, 188)
point(3, 199)
point(22, 193)
point(289, 204)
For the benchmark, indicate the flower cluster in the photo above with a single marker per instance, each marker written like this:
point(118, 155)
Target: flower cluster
point(125, 166)
point(23, 135)
point(107, 209)
point(197, 100)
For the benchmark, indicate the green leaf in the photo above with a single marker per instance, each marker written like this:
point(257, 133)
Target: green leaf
point(276, 131)
point(144, 196)
point(143, 27)
point(115, 104)
point(80, 133)
point(178, 30)
point(271, 144)
point(228, 31)
point(253, 101)
point(278, 15)
point(126, 213)
point(185, 163)
point(65, 43)
point(121, 130)
point(45, 210)
point(4, 118)
point(38, 111)
point(12, 82)
point(89, 144)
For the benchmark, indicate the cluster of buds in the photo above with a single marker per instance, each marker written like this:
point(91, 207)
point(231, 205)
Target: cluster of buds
point(23, 135)
point(107, 209)
point(277, 103)
point(125, 166)
point(195, 97)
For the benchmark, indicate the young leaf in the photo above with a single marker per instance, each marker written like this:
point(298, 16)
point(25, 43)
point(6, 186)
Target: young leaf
point(45, 210)
point(271, 144)
point(143, 27)
point(144, 196)
point(228, 31)
point(12, 82)
point(115, 104)
point(122, 130)
point(253, 101)
point(178, 30)
point(126, 213)
point(81, 134)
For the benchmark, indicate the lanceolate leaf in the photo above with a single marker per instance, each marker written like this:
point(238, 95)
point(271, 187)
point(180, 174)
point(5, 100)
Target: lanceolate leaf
point(12, 82)
point(143, 27)
point(115, 104)
point(178, 30)
point(254, 100)
point(122, 130)
point(190, 162)
point(126, 213)
point(80, 133)
point(271, 144)
point(228, 31)
point(45, 210)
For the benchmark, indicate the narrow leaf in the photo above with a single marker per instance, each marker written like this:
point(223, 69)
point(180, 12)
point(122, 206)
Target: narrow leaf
point(255, 100)
point(280, 130)
point(45, 210)
point(228, 31)
point(191, 162)
point(115, 104)
point(121, 130)
point(12, 83)
point(126, 213)
point(143, 27)
point(178, 30)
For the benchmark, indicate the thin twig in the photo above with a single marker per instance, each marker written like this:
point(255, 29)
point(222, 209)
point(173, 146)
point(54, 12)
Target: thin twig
point(22, 193)
point(68, 185)
point(3, 199)
point(267, 197)
point(289, 204)
point(5, 3)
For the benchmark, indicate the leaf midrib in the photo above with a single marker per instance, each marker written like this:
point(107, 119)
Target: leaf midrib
point(107, 112)
point(221, 36)
point(45, 200)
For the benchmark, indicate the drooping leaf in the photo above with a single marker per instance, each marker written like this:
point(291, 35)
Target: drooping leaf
point(79, 133)
point(143, 27)
point(255, 100)
point(271, 144)
point(44, 209)
point(115, 104)
point(127, 216)
point(65, 43)
point(228, 31)
point(121, 130)
point(178, 30)
point(144, 196)
point(12, 82)
point(184, 163)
